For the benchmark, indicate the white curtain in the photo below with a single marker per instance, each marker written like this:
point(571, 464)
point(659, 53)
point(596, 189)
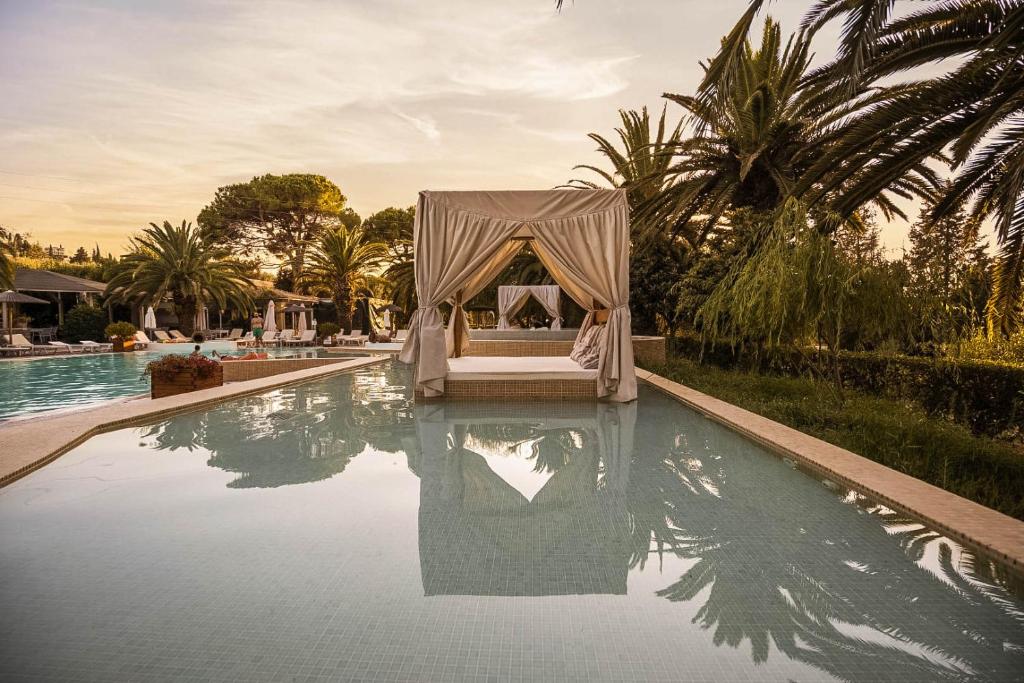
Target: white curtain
point(581, 236)
point(548, 296)
point(589, 255)
point(450, 246)
point(510, 299)
point(474, 286)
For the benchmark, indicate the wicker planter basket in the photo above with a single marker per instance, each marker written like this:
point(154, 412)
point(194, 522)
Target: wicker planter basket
point(185, 381)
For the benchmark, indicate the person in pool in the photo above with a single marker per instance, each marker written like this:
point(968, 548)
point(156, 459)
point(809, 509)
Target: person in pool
point(257, 329)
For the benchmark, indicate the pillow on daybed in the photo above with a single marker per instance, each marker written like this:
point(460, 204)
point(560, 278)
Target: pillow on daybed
point(587, 350)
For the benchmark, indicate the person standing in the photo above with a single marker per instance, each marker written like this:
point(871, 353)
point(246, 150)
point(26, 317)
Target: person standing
point(257, 329)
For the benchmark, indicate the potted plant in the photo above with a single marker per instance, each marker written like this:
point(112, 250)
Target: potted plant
point(121, 335)
point(174, 374)
point(327, 332)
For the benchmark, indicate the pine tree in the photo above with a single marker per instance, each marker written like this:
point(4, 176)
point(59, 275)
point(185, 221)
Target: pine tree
point(80, 256)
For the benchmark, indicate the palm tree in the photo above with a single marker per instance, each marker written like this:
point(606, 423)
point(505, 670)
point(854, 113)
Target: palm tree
point(643, 163)
point(975, 111)
point(759, 124)
point(175, 261)
point(338, 262)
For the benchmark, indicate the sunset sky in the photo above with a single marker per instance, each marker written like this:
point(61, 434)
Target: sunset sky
point(120, 113)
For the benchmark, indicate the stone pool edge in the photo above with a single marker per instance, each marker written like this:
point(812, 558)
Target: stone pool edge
point(996, 534)
point(26, 446)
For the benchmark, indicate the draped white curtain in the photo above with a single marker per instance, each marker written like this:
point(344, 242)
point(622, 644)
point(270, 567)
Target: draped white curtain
point(582, 238)
point(589, 256)
point(512, 297)
point(450, 247)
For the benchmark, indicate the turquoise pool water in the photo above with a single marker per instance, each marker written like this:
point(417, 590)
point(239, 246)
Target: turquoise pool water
point(29, 386)
point(336, 531)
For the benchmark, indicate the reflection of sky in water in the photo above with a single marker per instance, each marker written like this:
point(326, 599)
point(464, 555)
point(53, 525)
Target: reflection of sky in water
point(338, 527)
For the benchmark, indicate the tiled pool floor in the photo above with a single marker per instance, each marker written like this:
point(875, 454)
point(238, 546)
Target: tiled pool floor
point(333, 530)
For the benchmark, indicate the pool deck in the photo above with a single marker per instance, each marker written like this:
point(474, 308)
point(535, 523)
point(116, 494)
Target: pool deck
point(993, 532)
point(27, 445)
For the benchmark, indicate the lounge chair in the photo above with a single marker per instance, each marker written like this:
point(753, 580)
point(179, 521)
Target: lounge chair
point(246, 340)
point(142, 340)
point(236, 334)
point(162, 337)
point(304, 339)
point(67, 348)
point(270, 338)
point(96, 346)
point(354, 339)
point(18, 341)
point(285, 336)
point(178, 338)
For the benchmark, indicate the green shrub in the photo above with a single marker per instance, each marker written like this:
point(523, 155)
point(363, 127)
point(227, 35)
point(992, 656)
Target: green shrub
point(986, 396)
point(120, 330)
point(84, 323)
point(327, 329)
point(1008, 350)
point(895, 433)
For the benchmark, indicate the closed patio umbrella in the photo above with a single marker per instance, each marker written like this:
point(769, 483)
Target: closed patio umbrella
point(270, 319)
point(302, 322)
point(12, 297)
point(150, 322)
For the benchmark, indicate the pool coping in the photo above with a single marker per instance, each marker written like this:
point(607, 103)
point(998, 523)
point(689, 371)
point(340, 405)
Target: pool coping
point(27, 445)
point(963, 520)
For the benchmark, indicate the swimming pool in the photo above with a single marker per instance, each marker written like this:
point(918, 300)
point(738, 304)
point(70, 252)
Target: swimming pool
point(335, 530)
point(36, 385)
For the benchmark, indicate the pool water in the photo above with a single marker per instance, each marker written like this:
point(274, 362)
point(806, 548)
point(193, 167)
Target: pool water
point(29, 386)
point(335, 530)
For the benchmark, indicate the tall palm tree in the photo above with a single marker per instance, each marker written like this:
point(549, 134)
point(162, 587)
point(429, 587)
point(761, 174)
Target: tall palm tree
point(338, 262)
point(974, 111)
point(175, 261)
point(759, 124)
point(645, 159)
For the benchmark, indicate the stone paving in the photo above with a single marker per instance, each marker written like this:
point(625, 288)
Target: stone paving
point(993, 532)
point(26, 445)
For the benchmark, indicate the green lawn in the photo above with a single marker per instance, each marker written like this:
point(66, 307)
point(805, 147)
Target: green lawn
point(897, 434)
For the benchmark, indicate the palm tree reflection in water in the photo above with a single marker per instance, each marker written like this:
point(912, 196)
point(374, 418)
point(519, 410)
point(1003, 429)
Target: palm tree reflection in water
point(829, 579)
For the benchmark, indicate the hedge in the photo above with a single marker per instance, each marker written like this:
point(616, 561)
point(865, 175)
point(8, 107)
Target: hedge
point(986, 396)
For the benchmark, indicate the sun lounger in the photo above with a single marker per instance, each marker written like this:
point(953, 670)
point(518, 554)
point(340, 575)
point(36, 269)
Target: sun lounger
point(236, 334)
point(96, 346)
point(19, 341)
point(246, 340)
point(270, 338)
point(354, 339)
point(285, 336)
point(142, 340)
point(178, 337)
point(305, 338)
point(162, 337)
point(67, 348)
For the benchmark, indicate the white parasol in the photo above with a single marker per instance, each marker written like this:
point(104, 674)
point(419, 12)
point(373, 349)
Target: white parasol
point(270, 319)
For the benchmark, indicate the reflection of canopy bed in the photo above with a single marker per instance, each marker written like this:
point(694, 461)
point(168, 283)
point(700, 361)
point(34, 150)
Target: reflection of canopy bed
point(462, 240)
point(512, 297)
point(480, 536)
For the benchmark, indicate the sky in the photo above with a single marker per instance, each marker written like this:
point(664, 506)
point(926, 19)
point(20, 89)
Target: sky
point(116, 114)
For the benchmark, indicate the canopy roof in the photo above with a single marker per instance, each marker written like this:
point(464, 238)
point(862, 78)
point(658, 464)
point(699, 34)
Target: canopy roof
point(526, 206)
point(266, 290)
point(462, 240)
point(32, 280)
